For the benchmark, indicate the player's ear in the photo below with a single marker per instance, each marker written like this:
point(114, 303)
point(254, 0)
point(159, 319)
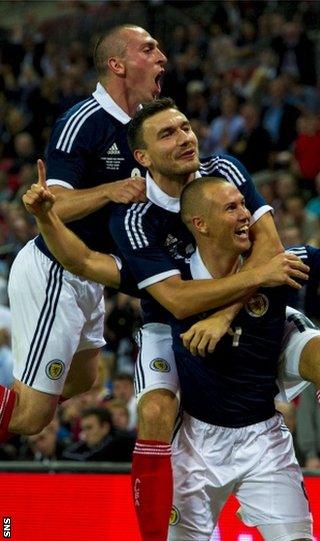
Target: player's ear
point(116, 65)
point(199, 224)
point(142, 157)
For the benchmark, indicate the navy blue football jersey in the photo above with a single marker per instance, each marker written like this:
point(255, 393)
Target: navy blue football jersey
point(89, 147)
point(152, 238)
point(311, 293)
point(236, 384)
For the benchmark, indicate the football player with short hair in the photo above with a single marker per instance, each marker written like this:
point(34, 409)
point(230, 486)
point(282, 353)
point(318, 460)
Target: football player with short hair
point(58, 317)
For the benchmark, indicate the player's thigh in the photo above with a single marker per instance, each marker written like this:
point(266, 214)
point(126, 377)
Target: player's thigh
point(155, 367)
point(199, 490)
point(297, 365)
point(33, 409)
point(298, 531)
point(84, 366)
point(93, 309)
point(272, 492)
point(82, 373)
point(47, 319)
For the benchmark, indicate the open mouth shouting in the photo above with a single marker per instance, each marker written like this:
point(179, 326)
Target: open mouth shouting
point(158, 81)
point(243, 232)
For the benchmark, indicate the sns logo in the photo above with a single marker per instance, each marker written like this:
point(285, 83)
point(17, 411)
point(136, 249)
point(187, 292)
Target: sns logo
point(6, 527)
point(136, 490)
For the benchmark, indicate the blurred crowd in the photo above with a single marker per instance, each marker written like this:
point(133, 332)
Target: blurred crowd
point(246, 75)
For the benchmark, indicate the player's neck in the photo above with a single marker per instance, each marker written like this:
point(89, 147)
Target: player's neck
point(128, 101)
point(219, 263)
point(172, 185)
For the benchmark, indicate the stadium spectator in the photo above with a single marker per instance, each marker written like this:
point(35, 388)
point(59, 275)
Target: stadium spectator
point(295, 214)
point(278, 116)
point(123, 389)
point(119, 414)
point(121, 322)
point(225, 129)
point(313, 205)
point(293, 47)
point(252, 146)
point(45, 446)
point(99, 440)
point(306, 150)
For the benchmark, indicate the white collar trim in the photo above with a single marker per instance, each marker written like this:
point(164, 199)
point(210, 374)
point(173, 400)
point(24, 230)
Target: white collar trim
point(197, 267)
point(109, 105)
point(160, 198)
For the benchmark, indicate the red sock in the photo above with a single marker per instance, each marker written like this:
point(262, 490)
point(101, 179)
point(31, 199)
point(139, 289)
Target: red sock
point(318, 395)
point(152, 488)
point(7, 400)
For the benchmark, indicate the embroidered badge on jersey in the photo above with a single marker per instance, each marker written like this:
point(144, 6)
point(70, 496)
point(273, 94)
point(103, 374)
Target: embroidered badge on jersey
point(174, 516)
point(55, 369)
point(258, 305)
point(160, 365)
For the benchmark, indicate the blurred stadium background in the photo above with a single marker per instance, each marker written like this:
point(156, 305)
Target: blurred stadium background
point(247, 75)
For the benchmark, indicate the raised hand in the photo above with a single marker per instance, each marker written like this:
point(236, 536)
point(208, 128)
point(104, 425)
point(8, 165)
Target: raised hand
point(38, 200)
point(284, 268)
point(129, 190)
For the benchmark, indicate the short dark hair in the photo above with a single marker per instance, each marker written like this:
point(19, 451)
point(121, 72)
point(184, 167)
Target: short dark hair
point(193, 196)
point(112, 42)
point(135, 127)
point(102, 414)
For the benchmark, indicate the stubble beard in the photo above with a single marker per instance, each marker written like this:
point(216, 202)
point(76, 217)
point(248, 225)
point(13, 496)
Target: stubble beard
point(180, 172)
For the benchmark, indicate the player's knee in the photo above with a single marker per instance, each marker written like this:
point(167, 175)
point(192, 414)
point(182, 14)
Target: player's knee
point(33, 410)
point(157, 411)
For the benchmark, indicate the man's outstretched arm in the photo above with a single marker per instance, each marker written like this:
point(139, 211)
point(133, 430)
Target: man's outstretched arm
point(67, 248)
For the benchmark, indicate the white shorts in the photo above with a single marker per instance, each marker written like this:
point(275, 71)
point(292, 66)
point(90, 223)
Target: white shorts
point(54, 315)
point(156, 366)
point(298, 331)
point(255, 463)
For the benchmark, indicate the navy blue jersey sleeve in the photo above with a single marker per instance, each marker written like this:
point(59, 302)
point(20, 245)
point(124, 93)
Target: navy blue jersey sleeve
point(128, 283)
point(135, 230)
point(310, 256)
point(70, 143)
point(311, 304)
point(312, 296)
point(229, 168)
point(314, 261)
